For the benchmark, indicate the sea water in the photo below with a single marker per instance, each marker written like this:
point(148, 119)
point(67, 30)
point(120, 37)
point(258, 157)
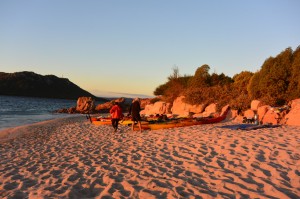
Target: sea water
point(17, 111)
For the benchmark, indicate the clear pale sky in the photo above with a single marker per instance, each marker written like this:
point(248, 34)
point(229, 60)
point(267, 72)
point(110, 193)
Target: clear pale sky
point(111, 47)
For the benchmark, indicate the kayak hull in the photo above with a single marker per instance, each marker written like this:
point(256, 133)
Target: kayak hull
point(98, 123)
point(185, 122)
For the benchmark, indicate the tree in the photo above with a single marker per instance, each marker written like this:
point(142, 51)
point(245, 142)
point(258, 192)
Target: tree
point(277, 82)
point(175, 75)
point(270, 84)
point(174, 87)
point(294, 85)
point(221, 79)
point(240, 96)
point(201, 77)
point(161, 89)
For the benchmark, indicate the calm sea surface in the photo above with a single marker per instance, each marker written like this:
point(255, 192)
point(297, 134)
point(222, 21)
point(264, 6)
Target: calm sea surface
point(17, 111)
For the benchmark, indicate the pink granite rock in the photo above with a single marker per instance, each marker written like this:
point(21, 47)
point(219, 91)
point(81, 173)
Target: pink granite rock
point(210, 110)
point(255, 104)
point(159, 107)
point(249, 114)
point(85, 104)
point(293, 117)
point(271, 117)
point(184, 109)
point(261, 111)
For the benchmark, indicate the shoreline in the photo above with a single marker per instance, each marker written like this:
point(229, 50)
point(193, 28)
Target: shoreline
point(71, 158)
point(17, 131)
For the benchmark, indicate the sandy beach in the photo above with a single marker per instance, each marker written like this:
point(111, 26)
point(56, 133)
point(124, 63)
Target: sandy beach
point(71, 158)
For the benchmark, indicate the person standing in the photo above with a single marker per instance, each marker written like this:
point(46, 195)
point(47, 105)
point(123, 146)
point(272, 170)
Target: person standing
point(116, 115)
point(135, 113)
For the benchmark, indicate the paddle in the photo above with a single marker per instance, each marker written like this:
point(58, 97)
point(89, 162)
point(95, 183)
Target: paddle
point(89, 117)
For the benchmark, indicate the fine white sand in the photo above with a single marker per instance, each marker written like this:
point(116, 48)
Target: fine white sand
point(71, 158)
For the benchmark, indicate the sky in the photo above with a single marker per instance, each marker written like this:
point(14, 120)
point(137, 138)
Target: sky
point(128, 48)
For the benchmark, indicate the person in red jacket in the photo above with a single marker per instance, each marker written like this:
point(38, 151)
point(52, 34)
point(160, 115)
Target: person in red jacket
point(116, 115)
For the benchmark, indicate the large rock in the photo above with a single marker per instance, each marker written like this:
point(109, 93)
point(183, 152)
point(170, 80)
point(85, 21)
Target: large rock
point(271, 117)
point(255, 104)
point(261, 111)
point(232, 114)
point(144, 102)
point(239, 119)
point(249, 114)
point(210, 110)
point(105, 107)
point(85, 104)
point(293, 117)
point(156, 108)
point(225, 109)
point(184, 109)
point(294, 103)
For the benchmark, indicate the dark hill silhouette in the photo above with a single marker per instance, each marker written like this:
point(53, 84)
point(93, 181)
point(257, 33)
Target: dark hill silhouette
point(34, 85)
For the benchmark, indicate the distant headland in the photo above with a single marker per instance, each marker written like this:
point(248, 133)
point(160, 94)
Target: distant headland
point(46, 86)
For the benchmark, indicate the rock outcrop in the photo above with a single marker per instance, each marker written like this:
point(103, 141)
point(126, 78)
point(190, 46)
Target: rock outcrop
point(210, 110)
point(293, 117)
point(255, 104)
point(261, 112)
point(288, 114)
point(85, 104)
point(159, 107)
point(180, 109)
point(105, 107)
point(249, 113)
point(184, 109)
point(271, 117)
point(145, 102)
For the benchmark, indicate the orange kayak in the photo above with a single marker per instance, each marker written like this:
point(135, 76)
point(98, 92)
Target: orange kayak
point(97, 123)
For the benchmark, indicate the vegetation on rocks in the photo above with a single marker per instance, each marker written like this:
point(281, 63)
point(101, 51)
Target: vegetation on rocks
point(276, 83)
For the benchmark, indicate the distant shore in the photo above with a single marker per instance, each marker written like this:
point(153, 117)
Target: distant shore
point(71, 158)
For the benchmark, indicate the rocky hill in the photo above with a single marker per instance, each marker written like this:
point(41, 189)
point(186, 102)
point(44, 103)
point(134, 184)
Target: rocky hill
point(34, 85)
